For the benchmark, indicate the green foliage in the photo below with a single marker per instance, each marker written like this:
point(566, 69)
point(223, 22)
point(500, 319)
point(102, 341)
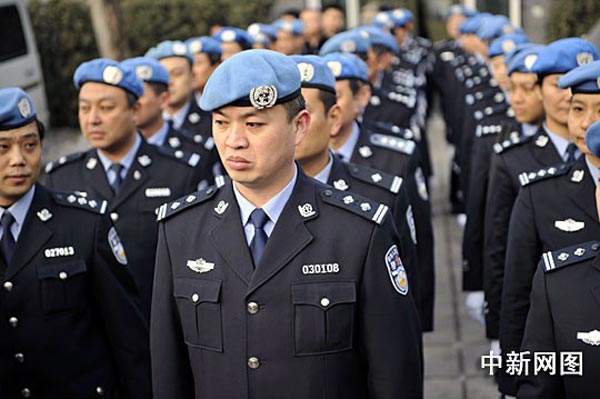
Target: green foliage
point(571, 18)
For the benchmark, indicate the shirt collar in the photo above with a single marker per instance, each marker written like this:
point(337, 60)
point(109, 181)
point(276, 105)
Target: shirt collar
point(272, 208)
point(158, 138)
point(126, 161)
point(323, 175)
point(594, 172)
point(560, 143)
point(529, 129)
point(178, 117)
point(197, 96)
point(347, 148)
point(19, 211)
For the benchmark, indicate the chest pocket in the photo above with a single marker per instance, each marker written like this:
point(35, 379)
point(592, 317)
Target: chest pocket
point(323, 317)
point(199, 307)
point(63, 286)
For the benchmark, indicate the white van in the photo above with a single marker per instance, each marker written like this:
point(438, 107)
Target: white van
point(19, 59)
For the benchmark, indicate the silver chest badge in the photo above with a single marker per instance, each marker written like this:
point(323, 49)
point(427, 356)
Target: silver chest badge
point(569, 225)
point(44, 215)
point(200, 265)
point(591, 338)
point(306, 210)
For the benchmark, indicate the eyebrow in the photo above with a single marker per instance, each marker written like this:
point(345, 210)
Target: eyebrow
point(109, 98)
point(22, 137)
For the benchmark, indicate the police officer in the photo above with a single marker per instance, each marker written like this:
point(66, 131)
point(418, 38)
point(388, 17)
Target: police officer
point(122, 168)
point(554, 209)
point(207, 54)
point(317, 306)
point(233, 40)
point(289, 36)
point(563, 313)
point(70, 323)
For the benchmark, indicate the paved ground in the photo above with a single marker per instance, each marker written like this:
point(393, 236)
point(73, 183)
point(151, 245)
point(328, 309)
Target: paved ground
point(452, 351)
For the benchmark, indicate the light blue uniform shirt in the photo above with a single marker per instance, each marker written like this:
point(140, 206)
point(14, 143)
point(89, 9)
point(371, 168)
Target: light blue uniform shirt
point(126, 161)
point(594, 172)
point(19, 210)
point(178, 117)
point(158, 138)
point(347, 149)
point(323, 175)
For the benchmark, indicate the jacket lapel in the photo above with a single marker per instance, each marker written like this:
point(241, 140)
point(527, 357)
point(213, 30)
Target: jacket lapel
point(583, 193)
point(545, 155)
point(96, 182)
point(339, 177)
point(137, 174)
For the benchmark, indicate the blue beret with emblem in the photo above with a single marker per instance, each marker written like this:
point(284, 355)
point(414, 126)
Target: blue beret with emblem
point(230, 34)
point(148, 69)
point(458, 9)
point(401, 16)
point(506, 44)
point(583, 79)
point(168, 49)
point(268, 78)
point(563, 55)
point(295, 27)
point(383, 20)
point(471, 25)
point(496, 26)
point(262, 33)
point(347, 66)
point(16, 108)
point(314, 72)
point(379, 37)
point(521, 60)
point(203, 44)
point(346, 42)
point(110, 72)
point(592, 138)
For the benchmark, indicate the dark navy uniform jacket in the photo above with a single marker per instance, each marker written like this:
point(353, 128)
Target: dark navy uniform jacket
point(155, 177)
point(320, 317)
point(70, 324)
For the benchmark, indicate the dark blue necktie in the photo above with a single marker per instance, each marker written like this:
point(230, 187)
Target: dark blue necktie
point(258, 218)
point(116, 183)
point(8, 241)
point(571, 148)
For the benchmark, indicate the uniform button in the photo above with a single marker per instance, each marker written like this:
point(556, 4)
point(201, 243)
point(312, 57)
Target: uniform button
point(253, 362)
point(8, 286)
point(595, 247)
point(253, 308)
point(324, 302)
point(195, 297)
point(114, 216)
point(63, 275)
point(100, 391)
point(26, 393)
point(13, 321)
point(328, 193)
point(20, 357)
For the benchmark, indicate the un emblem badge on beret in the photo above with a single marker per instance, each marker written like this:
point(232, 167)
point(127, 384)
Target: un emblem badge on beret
point(228, 36)
point(598, 82)
point(24, 108)
point(398, 14)
point(263, 96)
point(144, 72)
point(336, 68)
point(196, 47)
point(530, 60)
point(112, 75)
point(348, 46)
point(508, 46)
point(307, 71)
point(584, 58)
point(179, 48)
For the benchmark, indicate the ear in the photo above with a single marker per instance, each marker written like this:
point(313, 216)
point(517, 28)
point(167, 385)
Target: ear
point(164, 99)
point(301, 124)
point(137, 107)
point(538, 90)
point(335, 117)
point(364, 95)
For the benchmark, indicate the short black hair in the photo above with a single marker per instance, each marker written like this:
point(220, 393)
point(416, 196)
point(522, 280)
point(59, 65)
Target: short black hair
point(293, 107)
point(355, 85)
point(158, 88)
point(214, 58)
point(131, 99)
point(379, 49)
point(328, 99)
point(292, 12)
point(334, 6)
point(41, 128)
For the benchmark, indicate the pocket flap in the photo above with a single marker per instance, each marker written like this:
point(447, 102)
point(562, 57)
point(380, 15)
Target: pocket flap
point(62, 271)
point(197, 290)
point(324, 295)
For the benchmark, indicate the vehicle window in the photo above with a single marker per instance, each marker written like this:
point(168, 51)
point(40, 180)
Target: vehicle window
point(13, 42)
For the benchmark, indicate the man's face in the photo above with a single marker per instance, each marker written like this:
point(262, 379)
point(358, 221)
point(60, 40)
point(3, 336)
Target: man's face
point(499, 71)
point(312, 22)
point(378, 63)
point(332, 21)
point(20, 158)
point(453, 23)
point(523, 98)
point(556, 101)
point(585, 110)
point(180, 80)
point(229, 49)
point(105, 119)
point(151, 106)
point(349, 103)
point(285, 43)
point(316, 140)
point(202, 70)
point(257, 146)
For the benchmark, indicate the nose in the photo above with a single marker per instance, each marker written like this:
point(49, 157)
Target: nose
point(94, 116)
point(236, 137)
point(16, 156)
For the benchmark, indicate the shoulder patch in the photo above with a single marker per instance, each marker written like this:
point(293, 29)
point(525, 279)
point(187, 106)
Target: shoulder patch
point(542, 174)
point(553, 260)
point(64, 160)
point(190, 159)
point(393, 143)
point(356, 204)
point(513, 142)
point(171, 208)
point(76, 200)
point(376, 177)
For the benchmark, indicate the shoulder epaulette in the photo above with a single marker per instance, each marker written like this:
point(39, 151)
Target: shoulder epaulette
point(356, 204)
point(511, 143)
point(553, 260)
point(77, 200)
point(376, 177)
point(171, 208)
point(487, 130)
point(197, 138)
point(64, 160)
point(190, 159)
point(526, 178)
point(393, 143)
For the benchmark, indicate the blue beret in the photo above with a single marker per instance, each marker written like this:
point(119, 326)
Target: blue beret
point(508, 57)
point(496, 26)
point(230, 34)
point(383, 20)
point(295, 27)
point(471, 25)
point(379, 37)
point(110, 72)
point(258, 78)
point(16, 108)
point(347, 66)
point(346, 42)
point(563, 55)
point(262, 33)
point(583, 79)
point(148, 69)
point(169, 48)
point(401, 16)
point(458, 9)
point(522, 60)
point(314, 72)
point(592, 139)
point(506, 44)
point(203, 44)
